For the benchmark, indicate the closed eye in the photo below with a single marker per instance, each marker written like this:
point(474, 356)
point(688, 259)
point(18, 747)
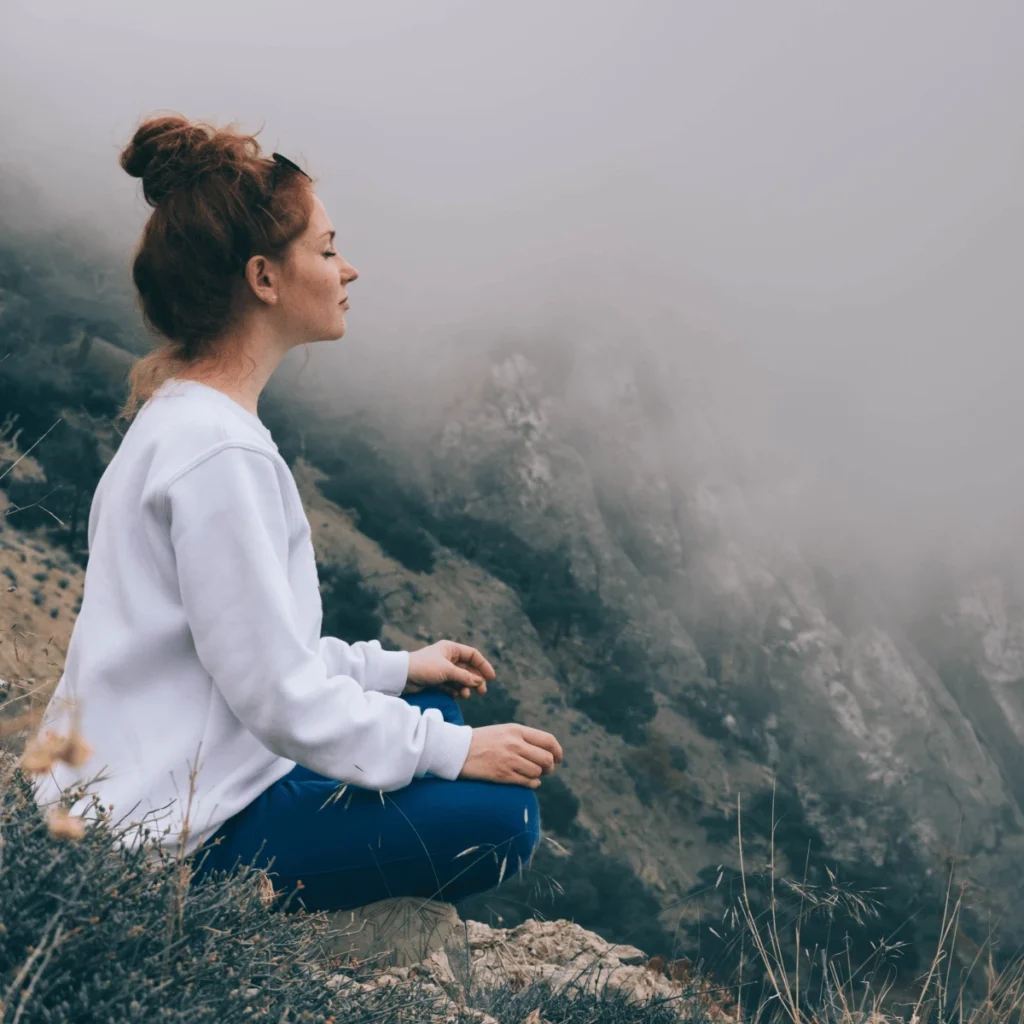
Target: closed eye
point(330, 253)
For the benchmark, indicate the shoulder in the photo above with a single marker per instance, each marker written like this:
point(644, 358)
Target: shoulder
point(179, 433)
point(236, 481)
point(227, 459)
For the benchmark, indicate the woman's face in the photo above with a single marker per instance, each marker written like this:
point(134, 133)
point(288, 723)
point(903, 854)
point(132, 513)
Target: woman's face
point(312, 283)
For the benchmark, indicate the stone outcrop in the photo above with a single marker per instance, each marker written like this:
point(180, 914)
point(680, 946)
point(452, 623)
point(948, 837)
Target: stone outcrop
point(424, 942)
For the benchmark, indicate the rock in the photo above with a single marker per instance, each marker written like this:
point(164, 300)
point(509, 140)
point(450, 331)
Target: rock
point(628, 954)
point(568, 956)
point(395, 932)
point(561, 953)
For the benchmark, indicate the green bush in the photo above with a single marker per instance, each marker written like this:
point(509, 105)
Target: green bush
point(548, 592)
point(70, 456)
point(622, 699)
point(349, 606)
point(558, 805)
point(90, 932)
point(496, 707)
point(362, 479)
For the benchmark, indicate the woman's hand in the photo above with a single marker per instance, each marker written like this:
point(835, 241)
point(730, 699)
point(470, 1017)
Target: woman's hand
point(456, 668)
point(511, 753)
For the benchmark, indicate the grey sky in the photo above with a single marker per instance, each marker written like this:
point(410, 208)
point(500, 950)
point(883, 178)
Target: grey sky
point(818, 203)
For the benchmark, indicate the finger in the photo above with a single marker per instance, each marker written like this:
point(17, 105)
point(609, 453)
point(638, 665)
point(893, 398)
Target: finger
point(540, 738)
point(471, 656)
point(515, 779)
point(456, 689)
point(463, 677)
point(524, 766)
point(519, 779)
point(539, 756)
point(457, 677)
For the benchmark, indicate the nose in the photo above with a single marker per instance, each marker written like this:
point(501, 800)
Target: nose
point(349, 273)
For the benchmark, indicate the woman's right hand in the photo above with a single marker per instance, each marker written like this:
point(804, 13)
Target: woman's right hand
point(511, 753)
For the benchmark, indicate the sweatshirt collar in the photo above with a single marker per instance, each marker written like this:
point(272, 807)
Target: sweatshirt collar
point(180, 384)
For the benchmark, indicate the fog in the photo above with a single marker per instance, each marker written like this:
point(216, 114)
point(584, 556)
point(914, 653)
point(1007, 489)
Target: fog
point(809, 212)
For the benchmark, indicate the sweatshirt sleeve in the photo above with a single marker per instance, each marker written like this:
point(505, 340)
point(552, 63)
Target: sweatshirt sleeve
point(229, 532)
point(367, 663)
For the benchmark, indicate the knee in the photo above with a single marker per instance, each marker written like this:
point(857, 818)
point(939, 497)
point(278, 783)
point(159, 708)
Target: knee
point(513, 823)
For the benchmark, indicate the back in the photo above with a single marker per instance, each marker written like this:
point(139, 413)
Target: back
point(131, 665)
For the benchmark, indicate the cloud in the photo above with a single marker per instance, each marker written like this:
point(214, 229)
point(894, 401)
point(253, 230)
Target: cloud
point(817, 205)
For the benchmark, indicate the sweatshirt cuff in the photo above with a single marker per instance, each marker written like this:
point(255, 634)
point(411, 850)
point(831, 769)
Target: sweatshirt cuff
point(447, 746)
point(389, 672)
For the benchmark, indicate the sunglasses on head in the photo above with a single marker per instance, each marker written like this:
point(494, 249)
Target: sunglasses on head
point(281, 162)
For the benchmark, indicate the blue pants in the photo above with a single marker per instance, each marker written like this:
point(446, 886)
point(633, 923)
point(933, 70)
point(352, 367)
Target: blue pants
point(368, 845)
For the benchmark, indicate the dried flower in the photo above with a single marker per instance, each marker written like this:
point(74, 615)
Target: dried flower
point(44, 750)
point(63, 825)
point(266, 888)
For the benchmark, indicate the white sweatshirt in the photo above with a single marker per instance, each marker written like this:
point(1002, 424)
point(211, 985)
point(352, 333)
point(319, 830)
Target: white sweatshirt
point(198, 640)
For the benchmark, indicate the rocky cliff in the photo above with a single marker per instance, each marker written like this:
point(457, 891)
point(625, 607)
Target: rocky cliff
point(689, 660)
point(596, 538)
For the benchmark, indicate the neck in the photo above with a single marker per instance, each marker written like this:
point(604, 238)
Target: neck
point(246, 359)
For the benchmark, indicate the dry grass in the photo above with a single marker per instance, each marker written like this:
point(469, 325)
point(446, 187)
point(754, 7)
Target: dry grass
point(843, 992)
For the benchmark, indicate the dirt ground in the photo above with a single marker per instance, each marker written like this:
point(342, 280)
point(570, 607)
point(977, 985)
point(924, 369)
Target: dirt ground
point(40, 593)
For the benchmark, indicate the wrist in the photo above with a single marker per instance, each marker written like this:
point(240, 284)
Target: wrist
point(392, 671)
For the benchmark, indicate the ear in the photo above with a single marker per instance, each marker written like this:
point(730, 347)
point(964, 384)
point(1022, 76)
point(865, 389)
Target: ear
point(261, 274)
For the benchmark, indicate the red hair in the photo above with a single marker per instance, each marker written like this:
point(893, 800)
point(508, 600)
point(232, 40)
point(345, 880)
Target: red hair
point(216, 203)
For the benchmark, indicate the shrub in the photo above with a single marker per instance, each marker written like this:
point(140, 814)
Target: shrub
point(623, 699)
point(349, 606)
point(658, 771)
point(558, 805)
point(544, 581)
point(89, 931)
point(360, 478)
point(496, 707)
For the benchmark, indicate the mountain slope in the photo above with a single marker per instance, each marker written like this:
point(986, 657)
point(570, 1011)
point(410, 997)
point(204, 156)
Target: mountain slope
point(592, 537)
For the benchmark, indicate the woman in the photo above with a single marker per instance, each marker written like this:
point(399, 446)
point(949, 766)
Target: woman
point(219, 718)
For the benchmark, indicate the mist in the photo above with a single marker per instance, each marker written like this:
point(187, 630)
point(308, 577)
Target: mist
point(808, 213)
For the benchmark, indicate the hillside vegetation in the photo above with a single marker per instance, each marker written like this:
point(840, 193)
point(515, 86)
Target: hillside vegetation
point(685, 721)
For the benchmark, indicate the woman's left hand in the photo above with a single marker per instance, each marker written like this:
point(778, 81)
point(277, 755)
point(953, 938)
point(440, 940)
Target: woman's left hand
point(456, 668)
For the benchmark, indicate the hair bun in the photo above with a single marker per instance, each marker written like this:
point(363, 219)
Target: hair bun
point(166, 153)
